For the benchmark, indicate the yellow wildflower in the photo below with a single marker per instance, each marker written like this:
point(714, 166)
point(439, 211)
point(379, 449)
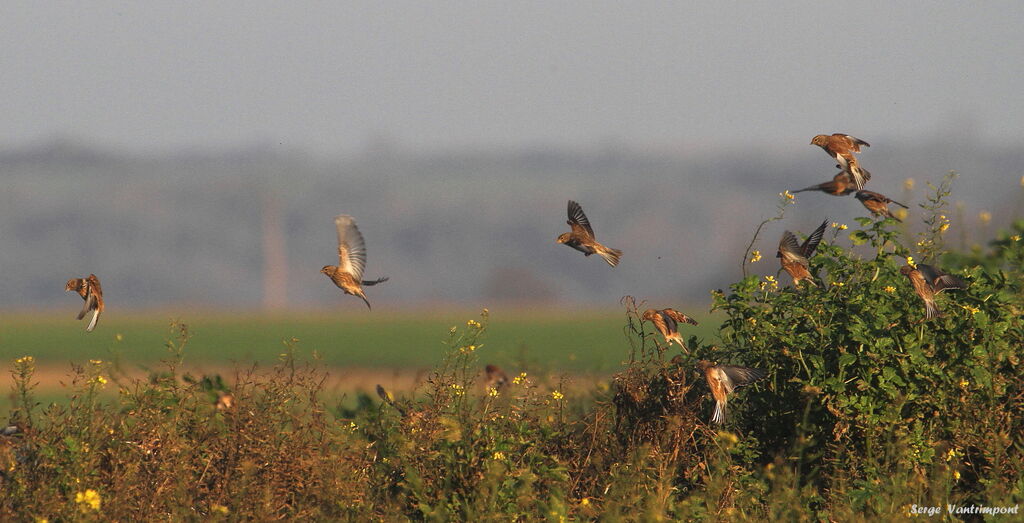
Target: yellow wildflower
point(557, 396)
point(902, 214)
point(944, 227)
point(25, 360)
point(910, 261)
point(956, 475)
point(838, 284)
point(219, 509)
point(840, 226)
point(1015, 237)
point(519, 379)
point(755, 256)
point(98, 380)
point(787, 195)
point(492, 392)
point(473, 323)
point(459, 390)
point(96, 362)
point(890, 289)
point(499, 455)
point(88, 500)
point(984, 217)
point(585, 502)
point(908, 184)
point(972, 310)
point(964, 383)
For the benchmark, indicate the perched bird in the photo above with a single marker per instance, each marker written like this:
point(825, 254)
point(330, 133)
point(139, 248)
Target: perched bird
point(386, 396)
point(878, 204)
point(794, 256)
point(841, 184)
point(841, 147)
point(927, 281)
point(723, 380)
point(667, 323)
point(90, 291)
point(582, 239)
point(224, 401)
point(351, 259)
point(495, 378)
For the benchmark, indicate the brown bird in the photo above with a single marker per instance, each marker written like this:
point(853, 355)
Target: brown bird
point(667, 322)
point(841, 184)
point(841, 147)
point(794, 256)
point(90, 291)
point(723, 380)
point(928, 281)
point(878, 204)
point(495, 378)
point(582, 239)
point(351, 259)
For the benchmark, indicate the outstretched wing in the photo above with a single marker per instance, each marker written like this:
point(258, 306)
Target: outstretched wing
point(351, 247)
point(857, 142)
point(740, 376)
point(577, 218)
point(812, 241)
point(790, 249)
point(939, 280)
point(678, 316)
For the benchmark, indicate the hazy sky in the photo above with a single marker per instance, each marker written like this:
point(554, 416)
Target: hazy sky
point(328, 76)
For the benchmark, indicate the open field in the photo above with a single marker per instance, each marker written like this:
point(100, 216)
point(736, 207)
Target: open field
point(588, 341)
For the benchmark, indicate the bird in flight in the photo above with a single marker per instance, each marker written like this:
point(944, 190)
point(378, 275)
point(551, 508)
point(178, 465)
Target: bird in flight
point(841, 147)
point(841, 184)
point(667, 322)
point(723, 380)
point(878, 204)
point(581, 237)
point(351, 260)
point(794, 256)
point(928, 281)
point(90, 291)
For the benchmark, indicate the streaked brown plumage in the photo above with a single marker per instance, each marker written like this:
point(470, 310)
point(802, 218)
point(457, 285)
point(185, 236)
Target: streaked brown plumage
point(666, 321)
point(878, 204)
point(928, 281)
point(842, 147)
point(841, 185)
point(90, 291)
point(723, 380)
point(494, 377)
point(581, 237)
point(347, 275)
point(794, 256)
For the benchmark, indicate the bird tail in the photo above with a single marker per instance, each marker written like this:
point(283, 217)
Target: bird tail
point(889, 214)
point(94, 321)
point(610, 255)
point(678, 338)
point(930, 310)
point(371, 283)
point(363, 296)
point(857, 174)
point(720, 411)
point(811, 188)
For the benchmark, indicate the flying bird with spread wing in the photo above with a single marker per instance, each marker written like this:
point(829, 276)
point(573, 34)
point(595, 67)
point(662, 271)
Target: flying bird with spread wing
point(90, 291)
point(351, 260)
point(841, 184)
point(723, 380)
point(878, 204)
point(581, 237)
point(794, 256)
point(667, 321)
point(928, 281)
point(841, 148)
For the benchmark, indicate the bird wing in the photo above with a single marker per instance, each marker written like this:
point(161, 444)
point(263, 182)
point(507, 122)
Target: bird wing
point(871, 195)
point(790, 249)
point(658, 320)
point(94, 285)
point(678, 316)
point(351, 247)
point(939, 280)
point(739, 376)
point(577, 218)
point(812, 241)
point(856, 143)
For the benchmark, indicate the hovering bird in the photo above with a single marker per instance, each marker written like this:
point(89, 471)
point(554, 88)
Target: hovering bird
point(582, 239)
point(723, 380)
point(667, 322)
point(841, 147)
point(495, 378)
point(794, 256)
point(878, 204)
point(351, 260)
point(841, 184)
point(90, 291)
point(928, 281)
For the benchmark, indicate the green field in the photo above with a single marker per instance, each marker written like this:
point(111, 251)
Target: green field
point(591, 341)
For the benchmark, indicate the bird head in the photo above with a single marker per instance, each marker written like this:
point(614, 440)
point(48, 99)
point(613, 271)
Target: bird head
point(906, 270)
point(821, 140)
point(73, 284)
point(564, 237)
point(329, 270)
point(649, 314)
point(861, 195)
point(704, 365)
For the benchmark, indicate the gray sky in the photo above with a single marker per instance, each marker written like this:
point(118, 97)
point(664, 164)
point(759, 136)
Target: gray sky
point(327, 76)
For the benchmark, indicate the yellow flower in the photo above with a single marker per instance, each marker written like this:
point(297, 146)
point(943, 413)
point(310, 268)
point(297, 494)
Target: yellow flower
point(585, 502)
point(557, 396)
point(1015, 237)
point(473, 323)
point(787, 195)
point(467, 348)
point(119, 337)
point(908, 184)
point(755, 256)
point(25, 360)
point(944, 227)
point(98, 380)
point(219, 509)
point(972, 310)
point(964, 383)
point(910, 261)
point(499, 455)
point(88, 500)
point(956, 475)
point(96, 362)
point(838, 284)
point(459, 390)
point(984, 217)
point(890, 289)
point(492, 392)
point(840, 226)
point(902, 214)
point(519, 379)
